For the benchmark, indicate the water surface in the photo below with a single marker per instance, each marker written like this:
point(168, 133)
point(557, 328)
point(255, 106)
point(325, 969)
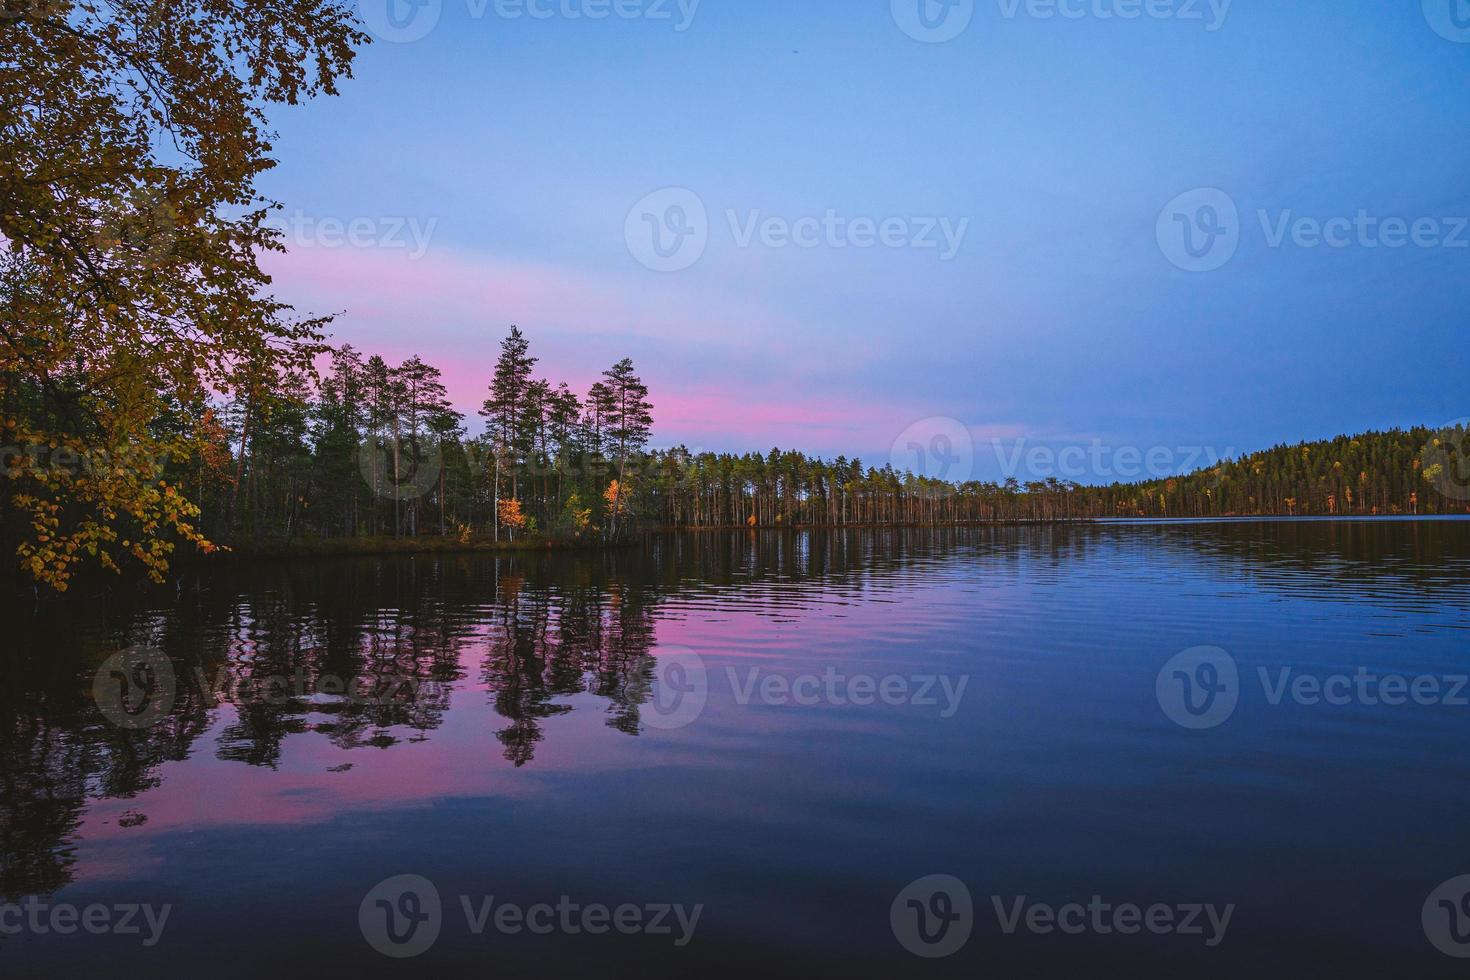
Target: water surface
point(786, 729)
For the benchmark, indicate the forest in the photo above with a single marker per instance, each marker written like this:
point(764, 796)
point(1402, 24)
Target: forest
point(158, 401)
point(376, 451)
point(359, 451)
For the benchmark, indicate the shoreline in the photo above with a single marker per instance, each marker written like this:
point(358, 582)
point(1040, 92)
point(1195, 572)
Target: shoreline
point(379, 547)
point(428, 545)
point(434, 546)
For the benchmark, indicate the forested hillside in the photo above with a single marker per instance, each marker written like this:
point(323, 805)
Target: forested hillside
point(1420, 471)
point(361, 449)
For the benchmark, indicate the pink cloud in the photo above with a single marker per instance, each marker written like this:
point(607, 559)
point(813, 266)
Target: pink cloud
point(723, 374)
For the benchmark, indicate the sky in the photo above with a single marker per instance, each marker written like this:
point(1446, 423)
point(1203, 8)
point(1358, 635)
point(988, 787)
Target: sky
point(996, 237)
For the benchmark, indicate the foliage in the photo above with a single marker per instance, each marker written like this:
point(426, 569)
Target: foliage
point(131, 135)
point(511, 515)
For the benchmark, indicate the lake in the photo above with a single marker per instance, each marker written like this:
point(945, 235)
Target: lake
point(1166, 749)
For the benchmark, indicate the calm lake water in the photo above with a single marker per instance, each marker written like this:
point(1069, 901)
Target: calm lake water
point(1204, 749)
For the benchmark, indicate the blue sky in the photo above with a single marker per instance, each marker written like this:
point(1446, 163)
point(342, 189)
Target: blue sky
point(517, 147)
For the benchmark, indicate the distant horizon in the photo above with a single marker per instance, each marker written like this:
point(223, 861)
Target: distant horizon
point(1066, 151)
point(1091, 463)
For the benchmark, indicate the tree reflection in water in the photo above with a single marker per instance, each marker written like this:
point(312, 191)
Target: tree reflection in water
point(533, 634)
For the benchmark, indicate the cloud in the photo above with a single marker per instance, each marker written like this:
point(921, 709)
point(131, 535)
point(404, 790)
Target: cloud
point(723, 374)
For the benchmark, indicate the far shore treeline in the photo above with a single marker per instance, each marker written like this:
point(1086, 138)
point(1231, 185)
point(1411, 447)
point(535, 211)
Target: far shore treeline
point(361, 451)
point(375, 451)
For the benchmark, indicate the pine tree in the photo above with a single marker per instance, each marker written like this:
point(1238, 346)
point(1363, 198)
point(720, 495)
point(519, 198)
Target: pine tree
point(629, 423)
point(504, 410)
